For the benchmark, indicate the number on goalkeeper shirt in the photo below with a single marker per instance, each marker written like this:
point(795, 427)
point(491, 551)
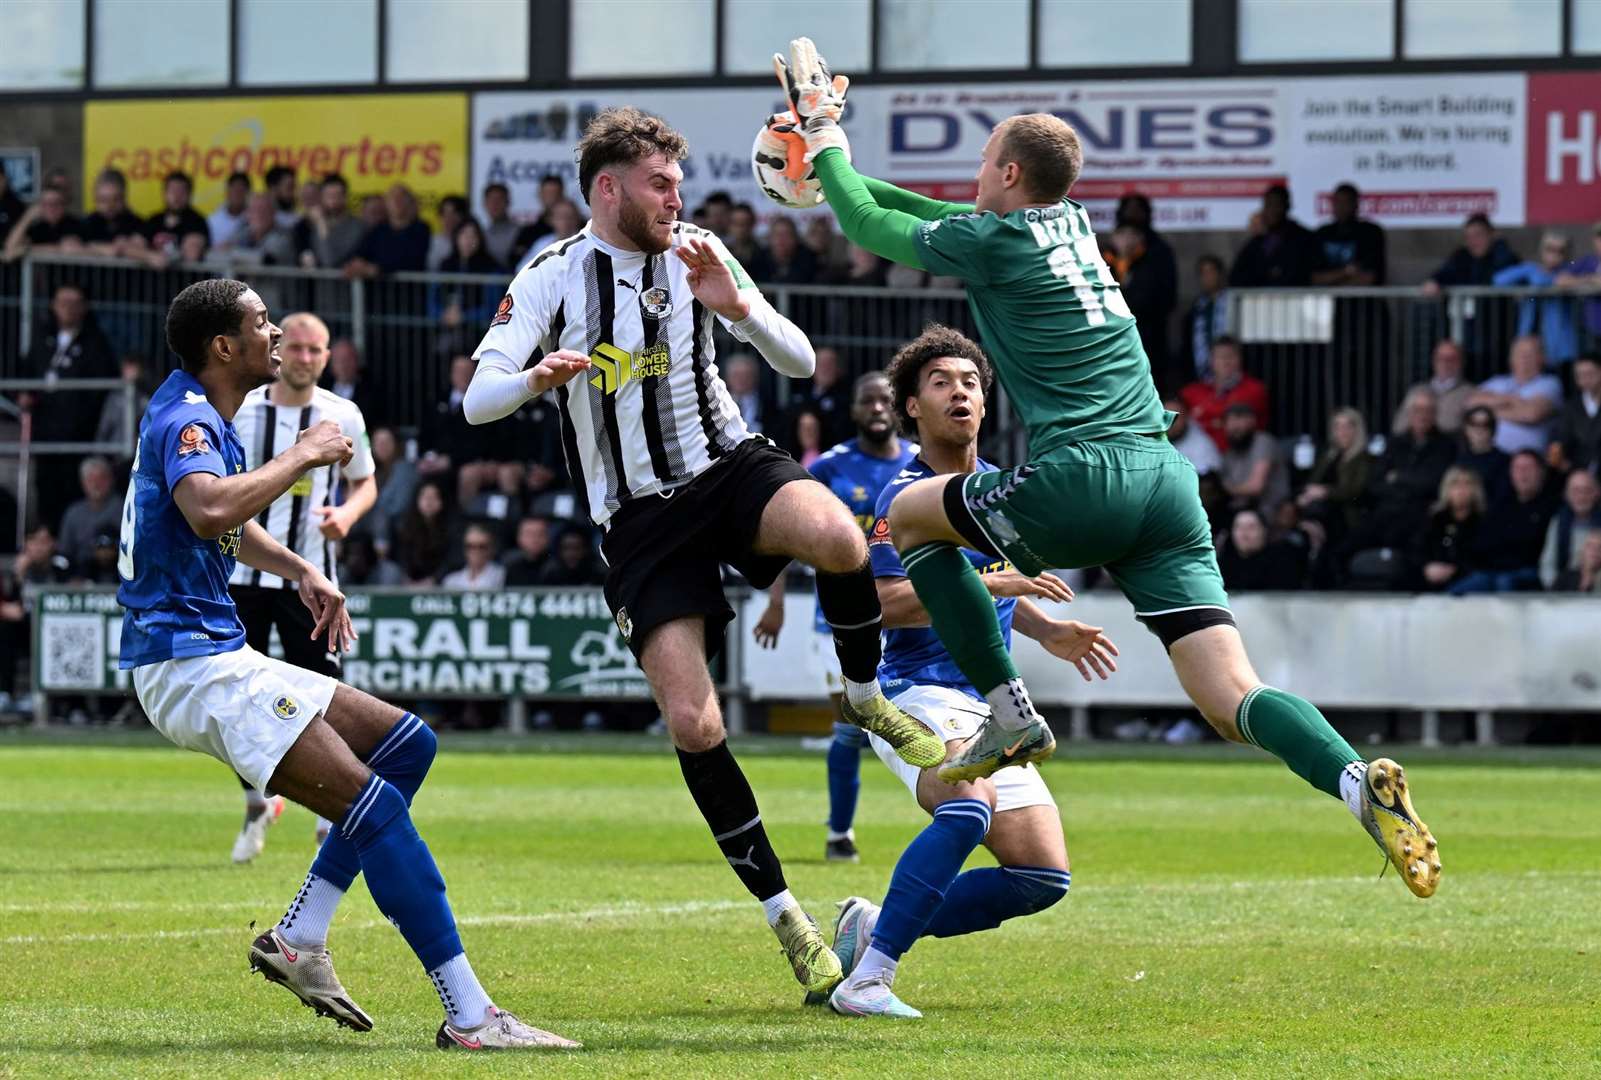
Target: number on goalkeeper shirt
point(1071, 261)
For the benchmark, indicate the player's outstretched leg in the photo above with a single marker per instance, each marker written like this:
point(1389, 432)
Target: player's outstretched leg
point(261, 813)
point(674, 661)
point(844, 782)
point(322, 772)
point(1212, 667)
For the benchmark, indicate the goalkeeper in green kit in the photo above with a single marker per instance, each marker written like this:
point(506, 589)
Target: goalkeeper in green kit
point(1103, 487)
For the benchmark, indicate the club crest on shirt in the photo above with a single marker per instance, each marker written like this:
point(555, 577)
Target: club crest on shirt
point(624, 623)
point(286, 707)
point(656, 303)
point(192, 440)
point(503, 312)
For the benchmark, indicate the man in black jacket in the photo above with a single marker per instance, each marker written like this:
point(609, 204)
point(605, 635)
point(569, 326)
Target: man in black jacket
point(1577, 442)
point(68, 345)
point(1401, 488)
point(1282, 254)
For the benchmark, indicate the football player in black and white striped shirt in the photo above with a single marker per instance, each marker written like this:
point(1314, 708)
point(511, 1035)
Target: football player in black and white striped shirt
point(305, 519)
point(662, 461)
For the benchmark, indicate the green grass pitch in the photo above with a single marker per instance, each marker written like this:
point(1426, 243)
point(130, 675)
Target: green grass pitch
point(1225, 920)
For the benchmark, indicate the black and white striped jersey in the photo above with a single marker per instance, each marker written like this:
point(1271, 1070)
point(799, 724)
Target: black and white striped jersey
point(652, 413)
point(267, 430)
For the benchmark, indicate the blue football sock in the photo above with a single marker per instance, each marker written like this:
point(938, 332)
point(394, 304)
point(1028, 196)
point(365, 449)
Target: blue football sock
point(401, 757)
point(844, 775)
point(925, 871)
point(983, 899)
point(401, 874)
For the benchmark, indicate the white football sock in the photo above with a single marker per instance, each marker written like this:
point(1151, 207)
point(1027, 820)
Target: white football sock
point(860, 693)
point(848, 834)
point(1011, 706)
point(872, 963)
point(463, 997)
point(1351, 778)
point(775, 906)
point(305, 924)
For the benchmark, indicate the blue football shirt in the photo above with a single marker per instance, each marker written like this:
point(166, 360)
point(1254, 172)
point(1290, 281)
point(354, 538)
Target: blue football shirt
point(915, 654)
point(856, 478)
point(174, 590)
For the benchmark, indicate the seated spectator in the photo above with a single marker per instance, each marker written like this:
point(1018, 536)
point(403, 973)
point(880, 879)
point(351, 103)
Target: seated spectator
point(1148, 275)
point(1524, 401)
point(399, 243)
point(1249, 563)
point(1551, 318)
point(862, 268)
point(115, 425)
point(1350, 250)
point(1578, 517)
point(44, 228)
point(470, 255)
point(374, 211)
point(451, 445)
point(898, 276)
point(501, 506)
point(36, 565)
point(263, 240)
point(1283, 254)
point(1576, 442)
point(347, 377)
point(463, 310)
point(281, 187)
point(525, 562)
point(228, 220)
point(1482, 255)
point(741, 376)
point(1189, 440)
point(178, 231)
point(1513, 534)
point(574, 561)
point(1228, 385)
point(830, 247)
point(421, 538)
point(1451, 390)
point(741, 239)
point(1587, 578)
point(803, 438)
point(1208, 317)
point(397, 485)
point(11, 206)
point(1403, 484)
point(101, 569)
point(67, 345)
point(1254, 474)
point(552, 189)
point(500, 231)
point(1480, 453)
point(481, 571)
point(453, 210)
point(363, 565)
point(830, 393)
point(99, 511)
point(330, 235)
point(564, 221)
point(113, 229)
point(1449, 549)
point(1338, 484)
point(787, 261)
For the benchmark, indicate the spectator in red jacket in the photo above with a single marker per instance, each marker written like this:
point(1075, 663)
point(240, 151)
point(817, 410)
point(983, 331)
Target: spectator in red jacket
point(1228, 384)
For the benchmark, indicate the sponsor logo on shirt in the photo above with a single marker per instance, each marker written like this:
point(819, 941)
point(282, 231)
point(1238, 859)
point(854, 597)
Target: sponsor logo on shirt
point(503, 312)
point(625, 625)
point(192, 440)
point(616, 368)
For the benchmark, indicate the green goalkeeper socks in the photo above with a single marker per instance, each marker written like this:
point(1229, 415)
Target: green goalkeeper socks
point(1292, 729)
point(962, 612)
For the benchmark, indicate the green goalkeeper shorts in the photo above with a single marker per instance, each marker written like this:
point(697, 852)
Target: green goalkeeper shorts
point(1130, 503)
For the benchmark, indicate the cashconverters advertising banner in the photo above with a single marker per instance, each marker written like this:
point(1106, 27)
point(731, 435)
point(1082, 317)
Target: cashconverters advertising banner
point(559, 643)
point(373, 140)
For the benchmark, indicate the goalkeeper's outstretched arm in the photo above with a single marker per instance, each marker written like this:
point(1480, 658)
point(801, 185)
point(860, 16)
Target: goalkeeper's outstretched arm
point(885, 231)
point(921, 207)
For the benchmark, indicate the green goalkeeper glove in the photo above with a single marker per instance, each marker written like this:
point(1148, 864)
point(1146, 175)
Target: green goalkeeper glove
point(816, 96)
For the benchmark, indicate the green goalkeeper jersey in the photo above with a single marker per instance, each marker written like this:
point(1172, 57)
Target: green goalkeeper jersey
point(1052, 318)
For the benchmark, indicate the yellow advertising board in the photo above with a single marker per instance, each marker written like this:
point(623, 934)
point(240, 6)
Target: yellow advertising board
point(373, 140)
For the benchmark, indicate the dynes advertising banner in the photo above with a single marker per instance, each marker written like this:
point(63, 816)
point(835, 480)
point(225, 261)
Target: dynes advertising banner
point(1426, 150)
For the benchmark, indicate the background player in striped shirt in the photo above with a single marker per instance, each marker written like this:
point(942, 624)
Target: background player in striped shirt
point(664, 463)
point(305, 519)
point(855, 471)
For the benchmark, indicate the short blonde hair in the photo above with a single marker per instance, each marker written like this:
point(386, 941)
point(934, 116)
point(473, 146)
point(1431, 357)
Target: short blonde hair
point(1046, 149)
point(306, 318)
point(1452, 475)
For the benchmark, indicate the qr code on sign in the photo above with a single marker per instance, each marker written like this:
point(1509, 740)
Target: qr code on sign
point(72, 652)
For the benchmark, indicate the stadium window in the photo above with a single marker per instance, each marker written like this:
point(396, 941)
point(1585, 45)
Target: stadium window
point(456, 40)
point(645, 37)
point(1442, 28)
point(1587, 26)
point(755, 29)
point(1313, 30)
point(1076, 34)
point(42, 47)
point(917, 35)
point(160, 43)
point(300, 42)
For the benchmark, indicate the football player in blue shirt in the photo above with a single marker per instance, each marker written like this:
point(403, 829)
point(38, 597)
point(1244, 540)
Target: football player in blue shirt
point(939, 382)
point(188, 516)
point(856, 471)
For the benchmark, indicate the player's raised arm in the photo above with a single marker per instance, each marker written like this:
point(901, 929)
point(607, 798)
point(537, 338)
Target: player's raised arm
point(500, 386)
point(718, 281)
point(215, 504)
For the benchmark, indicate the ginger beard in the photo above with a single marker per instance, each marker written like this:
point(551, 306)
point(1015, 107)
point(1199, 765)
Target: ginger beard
point(638, 224)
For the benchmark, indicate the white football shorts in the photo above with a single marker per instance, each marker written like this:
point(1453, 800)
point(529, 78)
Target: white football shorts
point(241, 707)
point(951, 714)
point(825, 659)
